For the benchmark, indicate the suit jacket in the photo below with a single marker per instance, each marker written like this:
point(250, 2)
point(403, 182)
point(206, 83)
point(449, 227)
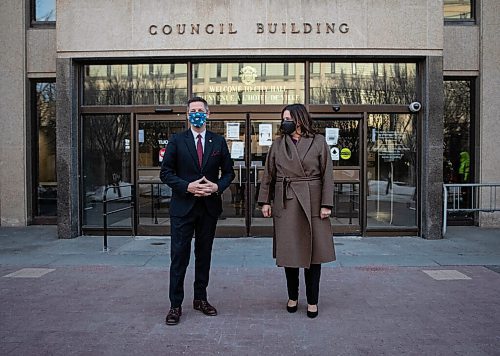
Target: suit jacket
point(180, 167)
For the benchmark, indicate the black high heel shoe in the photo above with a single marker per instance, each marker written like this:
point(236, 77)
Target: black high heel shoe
point(312, 314)
point(292, 309)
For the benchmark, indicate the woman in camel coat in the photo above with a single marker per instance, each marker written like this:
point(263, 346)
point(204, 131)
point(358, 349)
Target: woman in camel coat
point(297, 192)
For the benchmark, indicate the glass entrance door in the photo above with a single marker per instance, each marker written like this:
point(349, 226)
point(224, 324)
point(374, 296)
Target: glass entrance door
point(264, 129)
point(343, 136)
point(233, 128)
point(391, 200)
point(249, 137)
point(152, 196)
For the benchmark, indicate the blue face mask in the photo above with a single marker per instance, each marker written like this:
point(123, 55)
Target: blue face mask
point(197, 119)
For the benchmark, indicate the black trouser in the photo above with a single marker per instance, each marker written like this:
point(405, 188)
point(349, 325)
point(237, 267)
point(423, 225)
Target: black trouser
point(202, 225)
point(311, 275)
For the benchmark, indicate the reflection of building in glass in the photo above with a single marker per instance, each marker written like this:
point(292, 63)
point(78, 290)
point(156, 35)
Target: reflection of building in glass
point(363, 83)
point(45, 167)
point(272, 83)
point(135, 84)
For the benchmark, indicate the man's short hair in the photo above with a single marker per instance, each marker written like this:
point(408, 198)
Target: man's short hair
point(200, 99)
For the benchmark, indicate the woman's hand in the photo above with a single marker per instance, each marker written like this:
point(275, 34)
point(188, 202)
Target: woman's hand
point(266, 210)
point(325, 213)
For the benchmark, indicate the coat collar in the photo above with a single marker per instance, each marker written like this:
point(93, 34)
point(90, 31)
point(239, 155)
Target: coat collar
point(291, 154)
point(295, 154)
point(298, 151)
point(303, 146)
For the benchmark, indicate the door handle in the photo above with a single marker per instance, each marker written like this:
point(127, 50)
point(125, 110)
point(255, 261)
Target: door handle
point(255, 174)
point(240, 175)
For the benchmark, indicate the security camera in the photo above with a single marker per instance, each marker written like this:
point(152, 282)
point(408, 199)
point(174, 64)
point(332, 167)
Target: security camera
point(415, 106)
point(336, 107)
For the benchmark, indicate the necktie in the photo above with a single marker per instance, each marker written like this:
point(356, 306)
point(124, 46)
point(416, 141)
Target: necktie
point(199, 149)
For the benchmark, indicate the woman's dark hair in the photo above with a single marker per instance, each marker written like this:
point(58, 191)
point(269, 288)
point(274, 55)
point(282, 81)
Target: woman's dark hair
point(301, 117)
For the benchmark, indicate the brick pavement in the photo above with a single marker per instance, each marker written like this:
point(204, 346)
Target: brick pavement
point(376, 300)
point(114, 310)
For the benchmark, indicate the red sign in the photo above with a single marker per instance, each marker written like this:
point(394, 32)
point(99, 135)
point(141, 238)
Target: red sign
point(161, 154)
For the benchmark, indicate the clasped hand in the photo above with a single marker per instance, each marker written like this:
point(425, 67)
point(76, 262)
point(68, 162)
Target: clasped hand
point(202, 187)
point(267, 212)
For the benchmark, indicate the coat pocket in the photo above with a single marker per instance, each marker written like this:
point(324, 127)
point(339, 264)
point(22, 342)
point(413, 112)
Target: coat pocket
point(278, 201)
point(315, 194)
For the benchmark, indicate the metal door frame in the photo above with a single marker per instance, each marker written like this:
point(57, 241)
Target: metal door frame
point(253, 230)
point(248, 117)
point(146, 229)
point(237, 231)
point(361, 118)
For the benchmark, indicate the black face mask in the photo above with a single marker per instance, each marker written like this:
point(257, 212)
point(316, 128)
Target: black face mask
point(288, 127)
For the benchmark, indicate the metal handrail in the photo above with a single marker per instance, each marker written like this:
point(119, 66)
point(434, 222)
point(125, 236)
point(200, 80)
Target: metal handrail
point(105, 212)
point(477, 203)
point(155, 199)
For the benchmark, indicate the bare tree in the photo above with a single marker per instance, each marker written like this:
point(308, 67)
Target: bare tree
point(105, 138)
point(156, 87)
point(394, 84)
point(49, 15)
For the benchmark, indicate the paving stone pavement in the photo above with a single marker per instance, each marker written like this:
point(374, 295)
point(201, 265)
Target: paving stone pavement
point(86, 302)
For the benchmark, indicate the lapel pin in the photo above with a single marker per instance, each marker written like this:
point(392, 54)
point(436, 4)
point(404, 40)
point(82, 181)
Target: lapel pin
point(210, 140)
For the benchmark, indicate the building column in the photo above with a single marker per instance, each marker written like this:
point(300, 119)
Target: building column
point(489, 110)
point(68, 218)
point(431, 192)
point(13, 114)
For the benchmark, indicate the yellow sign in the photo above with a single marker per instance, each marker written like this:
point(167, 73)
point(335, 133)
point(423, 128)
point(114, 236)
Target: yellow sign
point(345, 153)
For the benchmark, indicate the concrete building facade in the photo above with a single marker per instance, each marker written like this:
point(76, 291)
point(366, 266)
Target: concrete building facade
point(127, 68)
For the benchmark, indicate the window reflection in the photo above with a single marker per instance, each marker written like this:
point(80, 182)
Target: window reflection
point(262, 134)
point(46, 180)
point(391, 170)
point(458, 156)
point(135, 84)
point(457, 138)
point(106, 162)
point(153, 197)
point(363, 83)
point(234, 198)
point(44, 10)
point(249, 83)
point(153, 137)
point(457, 9)
point(347, 139)
point(346, 205)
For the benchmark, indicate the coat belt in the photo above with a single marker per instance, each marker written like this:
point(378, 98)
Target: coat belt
point(286, 181)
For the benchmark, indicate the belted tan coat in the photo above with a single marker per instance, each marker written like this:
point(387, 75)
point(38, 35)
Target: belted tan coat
point(297, 182)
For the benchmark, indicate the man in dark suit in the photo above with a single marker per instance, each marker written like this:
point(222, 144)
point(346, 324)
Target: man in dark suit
point(198, 167)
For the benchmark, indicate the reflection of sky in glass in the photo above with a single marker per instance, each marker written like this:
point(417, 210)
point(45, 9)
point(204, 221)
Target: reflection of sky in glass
point(457, 9)
point(45, 10)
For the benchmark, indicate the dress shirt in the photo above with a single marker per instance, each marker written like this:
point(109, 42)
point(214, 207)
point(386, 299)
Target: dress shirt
point(195, 134)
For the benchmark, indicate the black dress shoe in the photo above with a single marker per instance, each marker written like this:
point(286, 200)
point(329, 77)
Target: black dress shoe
point(205, 307)
point(173, 316)
point(312, 314)
point(292, 309)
